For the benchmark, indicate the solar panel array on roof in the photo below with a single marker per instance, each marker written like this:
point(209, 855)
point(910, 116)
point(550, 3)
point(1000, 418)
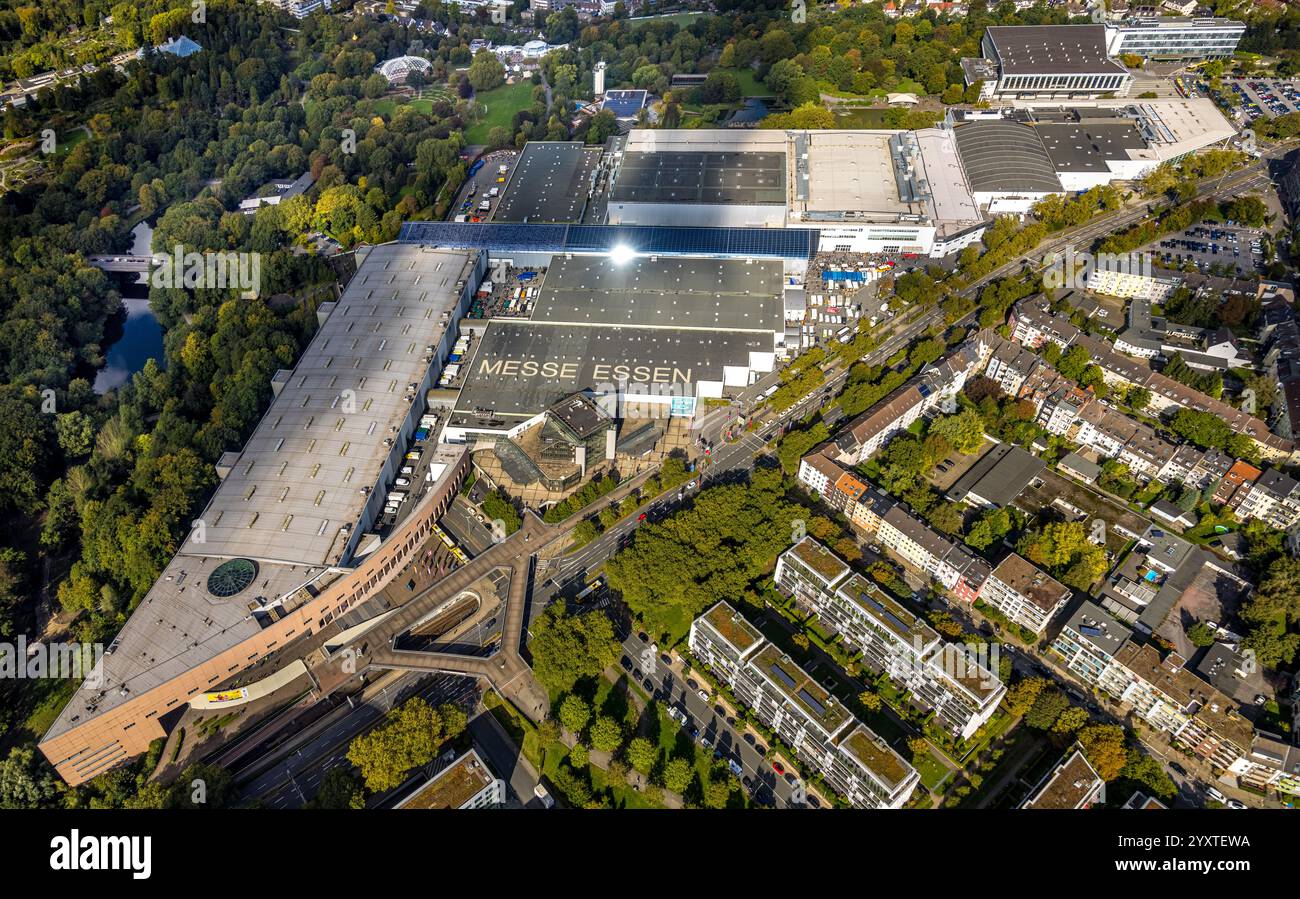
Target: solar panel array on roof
point(625, 104)
point(780, 674)
point(759, 243)
point(745, 178)
point(812, 702)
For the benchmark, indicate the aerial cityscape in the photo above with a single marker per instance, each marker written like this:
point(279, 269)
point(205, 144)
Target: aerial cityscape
point(652, 404)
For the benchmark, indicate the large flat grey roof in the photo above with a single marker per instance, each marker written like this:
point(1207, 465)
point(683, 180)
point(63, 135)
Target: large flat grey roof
point(180, 623)
point(998, 477)
point(522, 367)
point(549, 183)
point(1005, 156)
point(678, 293)
point(699, 176)
point(1086, 147)
point(1052, 49)
point(300, 475)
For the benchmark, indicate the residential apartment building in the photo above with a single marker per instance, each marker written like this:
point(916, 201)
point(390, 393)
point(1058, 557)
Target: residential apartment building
point(1269, 765)
point(1073, 784)
point(1033, 323)
point(1151, 336)
point(1273, 498)
point(466, 783)
point(925, 549)
point(1168, 697)
point(843, 491)
point(1088, 641)
point(1131, 284)
point(1024, 593)
point(825, 735)
point(870, 431)
point(963, 693)
point(1010, 365)
point(1153, 577)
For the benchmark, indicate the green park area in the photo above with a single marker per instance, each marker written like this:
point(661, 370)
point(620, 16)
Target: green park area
point(497, 108)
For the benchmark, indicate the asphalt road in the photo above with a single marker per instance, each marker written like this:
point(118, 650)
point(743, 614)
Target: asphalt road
point(296, 777)
point(504, 758)
point(710, 720)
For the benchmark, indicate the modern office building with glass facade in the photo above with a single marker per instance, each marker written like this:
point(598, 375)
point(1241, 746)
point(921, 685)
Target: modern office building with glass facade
point(1175, 38)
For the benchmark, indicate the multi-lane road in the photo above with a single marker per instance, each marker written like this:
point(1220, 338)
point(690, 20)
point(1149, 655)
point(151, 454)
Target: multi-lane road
point(707, 723)
point(290, 775)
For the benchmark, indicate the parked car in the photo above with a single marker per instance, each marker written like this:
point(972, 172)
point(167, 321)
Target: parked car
point(778, 767)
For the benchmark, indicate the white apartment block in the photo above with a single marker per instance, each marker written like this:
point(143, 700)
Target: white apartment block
point(1170, 698)
point(825, 735)
point(963, 693)
point(1088, 642)
point(1025, 594)
point(466, 783)
point(1131, 284)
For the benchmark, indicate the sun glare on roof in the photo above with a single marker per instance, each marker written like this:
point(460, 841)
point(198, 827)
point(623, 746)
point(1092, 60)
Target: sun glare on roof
point(622, 254)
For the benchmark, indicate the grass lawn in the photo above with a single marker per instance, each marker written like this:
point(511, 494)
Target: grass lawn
point(933, 772)
point(681, 19)
point(679, 626)
point(499, 107)
point(750, 86)
point(53, 694)
point(69, 139)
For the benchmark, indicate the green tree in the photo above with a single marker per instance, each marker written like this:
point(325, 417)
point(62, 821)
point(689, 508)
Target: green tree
point(339, 789)
point(678, 774)
point(964, 431)
point(574, 713)
point(1272, 613)
point(606, 734)
point(25, 783)
point(567, 648)
point(1200, 634)
point(497, 506)
point(486, 71)
point(409, 738)
point(642, 754)
point(1106, 749)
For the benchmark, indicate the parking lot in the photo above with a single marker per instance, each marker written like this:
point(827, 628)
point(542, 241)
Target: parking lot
point(1229, 248)
point(1269, 97)
point(484, 176)
point(512, 293)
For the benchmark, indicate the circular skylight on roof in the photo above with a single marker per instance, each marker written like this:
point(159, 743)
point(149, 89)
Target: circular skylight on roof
point(232, 578)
